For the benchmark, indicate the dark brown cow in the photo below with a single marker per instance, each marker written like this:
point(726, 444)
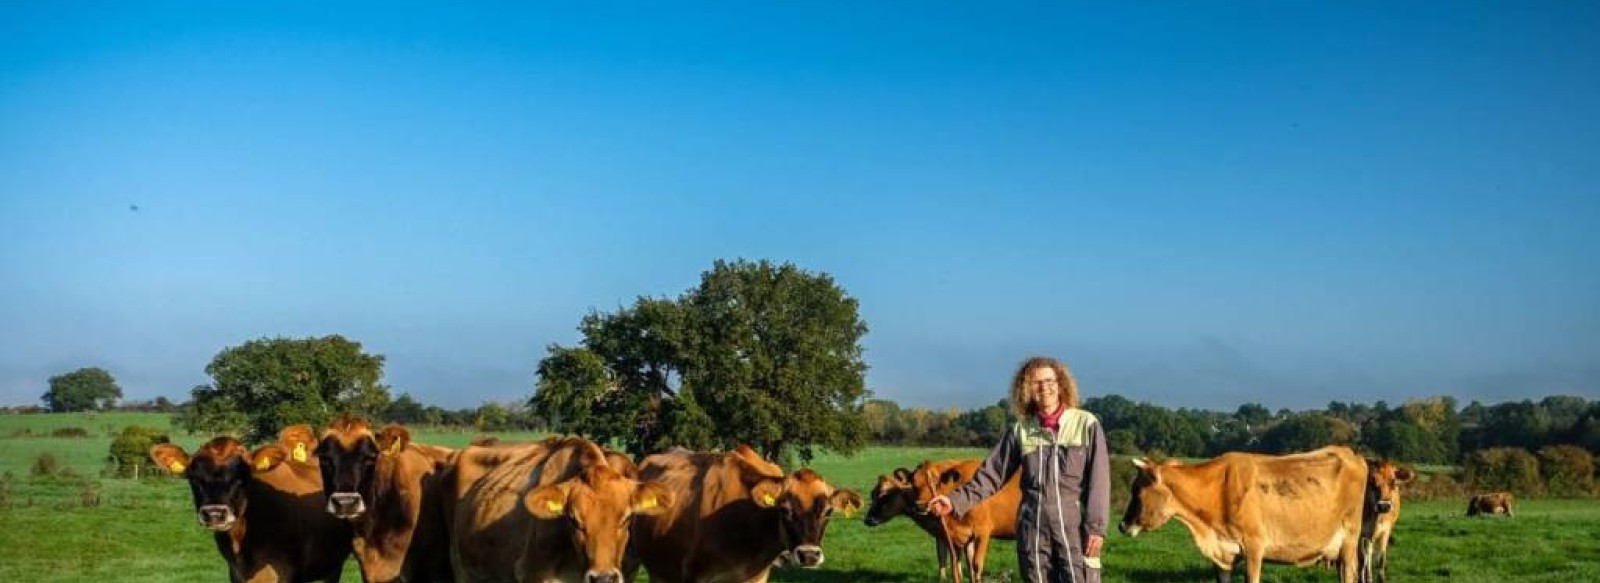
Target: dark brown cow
point(1492, 503)
point(995, 517)
point(736, 515)
point(1295, 509)
point(554, 510)
point(264, 507)
point(894, 496)
point(390, 491)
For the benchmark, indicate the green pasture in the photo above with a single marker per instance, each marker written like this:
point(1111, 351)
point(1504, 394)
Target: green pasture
point(84, 527)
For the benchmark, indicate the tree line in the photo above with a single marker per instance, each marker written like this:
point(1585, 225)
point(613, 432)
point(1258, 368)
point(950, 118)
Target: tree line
point(770, 355)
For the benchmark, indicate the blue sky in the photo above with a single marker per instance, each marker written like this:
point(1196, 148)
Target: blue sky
point(1196, 205)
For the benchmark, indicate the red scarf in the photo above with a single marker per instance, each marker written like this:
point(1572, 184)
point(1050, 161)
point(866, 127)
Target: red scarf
point(1052, 421)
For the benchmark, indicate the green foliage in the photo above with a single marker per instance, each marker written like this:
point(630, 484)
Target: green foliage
point(276, 382)
point(1567, 470)
point(1306, 432)
point(492, 417)
point(406, 410)
point(82, 390)
point(1503, 468)
point(47, 464)
point(129, 454)
point(770, 352)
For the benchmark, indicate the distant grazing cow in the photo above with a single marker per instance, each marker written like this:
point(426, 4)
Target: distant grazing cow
point(1294, 509)
point(995, 517)
point(265, 508)
point(554, 510)
point(1491, 504)
point(389, 489)
point(735, 515)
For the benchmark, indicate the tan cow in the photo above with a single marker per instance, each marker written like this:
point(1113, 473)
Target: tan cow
point(264, 508)
point(1384, 479)
point(969, 534)
point(893, 496)
point(1492, 503)
point(389, 489)
point(1296, 509)
point(736, 515)
point(554, 510)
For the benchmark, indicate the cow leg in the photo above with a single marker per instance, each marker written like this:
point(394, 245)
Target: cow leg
point(943, 551)
point(1224, 575)
point(1252, 565)
point(980, 552)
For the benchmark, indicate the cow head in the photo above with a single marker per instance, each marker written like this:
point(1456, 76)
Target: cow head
point(892, 496)
point(219, 474)
point(599, 508)
point(1149, 503)
point(1384, 479)
point(348, 454)
point(804, 502)
point(932, 479)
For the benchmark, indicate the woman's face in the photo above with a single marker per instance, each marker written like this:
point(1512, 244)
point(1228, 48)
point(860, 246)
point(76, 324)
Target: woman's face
point(1046, 388)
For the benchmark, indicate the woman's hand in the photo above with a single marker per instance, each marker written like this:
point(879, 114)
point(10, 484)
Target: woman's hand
point(1092, 548)
point(939, 506)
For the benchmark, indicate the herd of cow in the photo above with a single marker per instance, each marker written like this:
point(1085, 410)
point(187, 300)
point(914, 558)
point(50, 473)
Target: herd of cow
point(566, 509)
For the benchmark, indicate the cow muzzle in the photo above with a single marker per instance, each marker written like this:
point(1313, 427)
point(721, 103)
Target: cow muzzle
point(1384, 506)
point(217, 517)
point(611, 576)
point(807, 556)
point(1129, 529)
point(346, 505)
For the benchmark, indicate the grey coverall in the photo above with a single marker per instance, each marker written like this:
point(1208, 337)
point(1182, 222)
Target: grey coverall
point(1066, 494)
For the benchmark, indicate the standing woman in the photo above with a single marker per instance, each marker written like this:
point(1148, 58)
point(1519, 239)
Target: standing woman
point(1066, 477)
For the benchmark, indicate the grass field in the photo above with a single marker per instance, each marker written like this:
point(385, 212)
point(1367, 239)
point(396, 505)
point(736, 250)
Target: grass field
point(144, 531)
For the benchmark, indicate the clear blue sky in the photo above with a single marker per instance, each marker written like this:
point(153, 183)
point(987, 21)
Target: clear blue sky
point(1194, 204)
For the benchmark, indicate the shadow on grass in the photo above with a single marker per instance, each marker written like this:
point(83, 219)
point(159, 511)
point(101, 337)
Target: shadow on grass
point(824, 575)
point(1190, 573)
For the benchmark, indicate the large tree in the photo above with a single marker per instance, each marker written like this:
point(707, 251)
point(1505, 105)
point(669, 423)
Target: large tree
point(759, 353)
point(271, 383)
point(82, 390)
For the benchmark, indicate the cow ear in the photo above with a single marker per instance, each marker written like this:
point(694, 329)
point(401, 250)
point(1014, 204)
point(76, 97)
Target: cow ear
point(266, 457)
point(903, 475)
point(298, 440)
point(169, 457)
point(1403, 475)
point(845, 501)
point(393, 439)
point(950, 476)
point(650, 499)
point(766, 492)
point(547, 502)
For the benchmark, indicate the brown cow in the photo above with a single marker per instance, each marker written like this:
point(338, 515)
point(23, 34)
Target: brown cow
point(265, 508)
point(893, 496)
point(554, 510)
point(389, 490)
point(995, 517)
point(736, 515)
point(1491, 504)
point(1295, 509)
point(1382, 511)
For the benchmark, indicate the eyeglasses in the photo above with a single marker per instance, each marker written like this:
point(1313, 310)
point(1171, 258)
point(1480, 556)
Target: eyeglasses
point(1045, 383)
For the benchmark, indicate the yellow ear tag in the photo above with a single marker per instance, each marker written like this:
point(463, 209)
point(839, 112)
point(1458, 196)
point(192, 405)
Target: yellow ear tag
point(299, 452)
point(394, 448)
point(554, 505)
point(768, 500)
point(263, 463)
point(175, 467)
point(648, 502)
point(849, 511)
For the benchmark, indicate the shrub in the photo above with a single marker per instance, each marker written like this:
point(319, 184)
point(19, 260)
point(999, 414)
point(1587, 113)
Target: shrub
point(45, 465)
point(1504, 468)
point(1568, 470)
point(128, 456)
point(1433, 486)
point(71, 432)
